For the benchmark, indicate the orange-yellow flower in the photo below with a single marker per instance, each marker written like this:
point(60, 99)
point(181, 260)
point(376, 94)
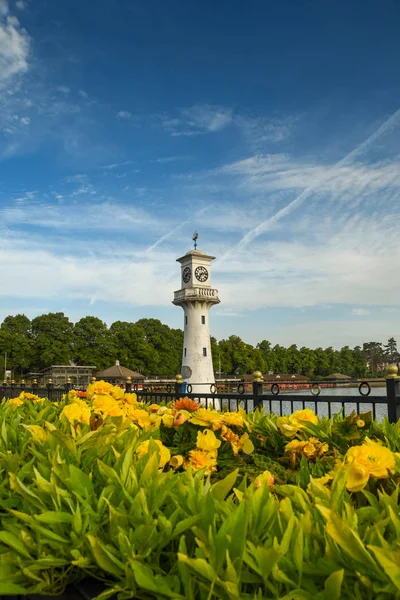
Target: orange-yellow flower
point(206, 418)
point(186, 404)
point(16, 402)
point(202, 460)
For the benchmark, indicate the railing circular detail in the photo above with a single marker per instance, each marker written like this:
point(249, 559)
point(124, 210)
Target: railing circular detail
point(315, 389)
point(361, 386)
point(189, 388)
point(169, 389)
point(213, 388)
point(135, 387)
point(240, 388)
point(275, 389)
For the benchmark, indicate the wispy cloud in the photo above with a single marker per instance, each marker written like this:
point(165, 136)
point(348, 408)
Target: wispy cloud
point(169, 159)
point(14, 46)
point(260, 131)
point(360, 312)
point(348, 161)
point(124, 115)
point(198, 119)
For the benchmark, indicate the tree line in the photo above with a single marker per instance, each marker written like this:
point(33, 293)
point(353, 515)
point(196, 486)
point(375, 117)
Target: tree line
point(153, 348)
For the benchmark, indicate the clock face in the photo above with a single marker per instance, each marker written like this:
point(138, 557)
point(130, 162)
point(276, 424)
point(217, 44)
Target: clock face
point(186, 275)
point(201, 274)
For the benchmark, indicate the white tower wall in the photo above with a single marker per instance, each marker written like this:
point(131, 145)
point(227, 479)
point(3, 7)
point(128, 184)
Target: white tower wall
point(196, 298)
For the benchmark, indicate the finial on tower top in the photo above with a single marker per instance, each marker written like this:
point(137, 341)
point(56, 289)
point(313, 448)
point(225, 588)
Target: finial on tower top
point(194, 238)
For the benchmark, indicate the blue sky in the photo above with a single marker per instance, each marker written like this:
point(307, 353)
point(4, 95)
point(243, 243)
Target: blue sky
point(271, 128)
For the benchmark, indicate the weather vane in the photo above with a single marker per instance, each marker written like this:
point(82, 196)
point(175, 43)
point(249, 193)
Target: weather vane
point(194, 238)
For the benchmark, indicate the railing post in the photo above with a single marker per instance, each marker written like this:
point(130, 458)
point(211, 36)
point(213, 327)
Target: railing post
point(34, 385)
point(22, 384)
point(50, 386)
point(393, 393)
point(128, 385)
point(68, 385)
point(257, 389)
point(178, 387)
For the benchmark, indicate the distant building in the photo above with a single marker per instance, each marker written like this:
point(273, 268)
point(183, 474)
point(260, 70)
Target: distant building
point(118, 374)
point(337, 377)
point(80, 375)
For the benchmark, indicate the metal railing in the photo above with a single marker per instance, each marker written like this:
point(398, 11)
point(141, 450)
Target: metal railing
point(269, 396)
point(281, 398)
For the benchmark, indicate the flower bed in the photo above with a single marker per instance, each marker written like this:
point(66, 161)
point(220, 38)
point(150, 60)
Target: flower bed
point(179, 501)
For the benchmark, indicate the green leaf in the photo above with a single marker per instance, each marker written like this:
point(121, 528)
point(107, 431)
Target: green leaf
point(346, 538)
point(14, 542)
point(222, 488)
point(52, 517)
point(391, 568)
point(103, 558)
point(12, 589)
point(333, 585)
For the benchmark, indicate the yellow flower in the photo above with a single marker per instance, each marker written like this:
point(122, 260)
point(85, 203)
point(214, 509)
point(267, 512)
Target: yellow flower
point(377, 459)
point(246, 445)
point(176, 461)
point(206, 418)
point(207, 441)
point(101, 388)
point(357, 478)
point(153, 407)
point(303, 415)
point(163, 451)
point(141, 417)
point(309, 450)
point(16, 402)
point(38, 434)
point(130, 398)
point(106, 405)
point(286, 427)
point(360, 423)
point(202, 460)
point(233, 419)
point(76, 413)
point(265, 478)
point(168, 421)
point(29, 396)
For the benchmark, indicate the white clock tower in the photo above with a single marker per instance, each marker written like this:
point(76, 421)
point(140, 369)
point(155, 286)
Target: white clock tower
point(196, 297)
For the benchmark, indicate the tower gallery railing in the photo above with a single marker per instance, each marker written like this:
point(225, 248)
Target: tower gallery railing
point(280, 398)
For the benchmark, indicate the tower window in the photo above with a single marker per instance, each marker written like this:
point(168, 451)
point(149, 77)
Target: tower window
point(185, 351)
point(185, 320)
point(203, 320)
point(204, 351)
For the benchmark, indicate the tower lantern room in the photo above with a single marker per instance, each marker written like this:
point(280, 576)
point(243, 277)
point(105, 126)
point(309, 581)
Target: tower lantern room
point(196, 297)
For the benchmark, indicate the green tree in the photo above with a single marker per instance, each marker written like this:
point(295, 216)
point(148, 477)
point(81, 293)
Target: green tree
point(16, 341)
point(359, 362)
point(308, 361)
point(347, 361)
point(390, 351)
point(93, 343)
point(132, 348)
point(52, 335)
point(375, 356)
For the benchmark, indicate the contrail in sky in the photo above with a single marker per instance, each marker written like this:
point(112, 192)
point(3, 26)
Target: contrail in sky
point(175, 229)
point(251, 235)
